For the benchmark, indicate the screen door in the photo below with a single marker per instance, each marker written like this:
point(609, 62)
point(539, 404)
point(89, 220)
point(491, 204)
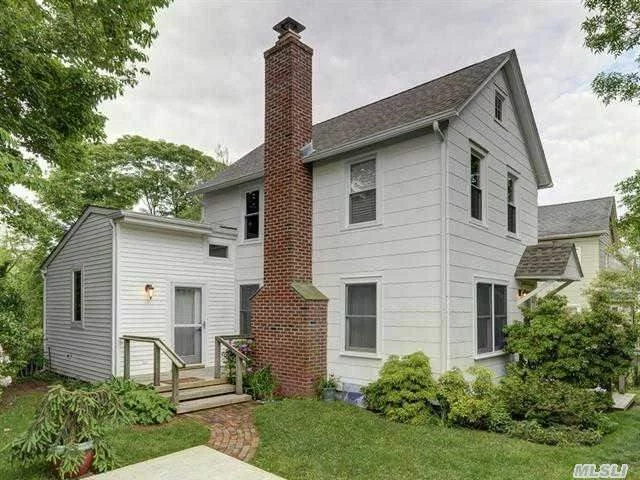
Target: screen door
point(188, 324)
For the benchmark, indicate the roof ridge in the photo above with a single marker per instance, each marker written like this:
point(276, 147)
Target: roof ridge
point(415, 87)
point(606, 197)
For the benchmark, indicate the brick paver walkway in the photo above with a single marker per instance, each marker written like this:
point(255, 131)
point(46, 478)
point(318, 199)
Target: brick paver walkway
point(232, 429)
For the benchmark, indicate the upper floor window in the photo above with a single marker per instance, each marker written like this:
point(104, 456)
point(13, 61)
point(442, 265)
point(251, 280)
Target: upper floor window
point(252, 215)
point(511, 203)
point(219, 251)
point(476, 182)
point(76, 315)
point(498, 104)
point(361, 317)
point(491, 317)
point(362, 192)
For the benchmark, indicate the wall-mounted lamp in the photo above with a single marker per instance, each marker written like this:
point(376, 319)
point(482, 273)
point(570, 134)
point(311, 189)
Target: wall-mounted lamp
point(148, 289)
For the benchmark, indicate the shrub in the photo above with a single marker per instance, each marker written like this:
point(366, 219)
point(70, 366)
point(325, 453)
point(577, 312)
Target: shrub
point(585, 349)
point(261, 384)
point(143, 404)
point(552, 402)
point(245, 346)
point(556, 435)
point(404, 389)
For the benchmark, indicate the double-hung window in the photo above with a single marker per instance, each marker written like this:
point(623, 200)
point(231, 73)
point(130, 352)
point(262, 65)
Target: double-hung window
point(498, 105)
point(491, 317)
point(511, 203)
point(361, 320)
point(252, 215)
point(246, 293)
point(362, 192)
point(76, 300)
point(476, 183)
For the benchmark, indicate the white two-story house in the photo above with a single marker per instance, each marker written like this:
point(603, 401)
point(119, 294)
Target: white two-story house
point(395, 227)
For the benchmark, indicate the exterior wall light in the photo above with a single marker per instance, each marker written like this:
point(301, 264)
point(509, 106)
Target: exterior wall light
point(148, 289)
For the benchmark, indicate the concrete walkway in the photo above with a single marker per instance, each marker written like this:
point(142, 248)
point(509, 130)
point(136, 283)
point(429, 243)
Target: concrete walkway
point(197, 463)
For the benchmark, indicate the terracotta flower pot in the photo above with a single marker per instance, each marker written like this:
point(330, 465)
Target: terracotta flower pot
point(87, 462)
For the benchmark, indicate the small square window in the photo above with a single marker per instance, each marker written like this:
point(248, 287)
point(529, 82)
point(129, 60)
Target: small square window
point(498, 104)
point(219, 251)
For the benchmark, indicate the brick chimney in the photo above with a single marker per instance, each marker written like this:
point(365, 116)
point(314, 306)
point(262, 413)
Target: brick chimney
point(289, 315)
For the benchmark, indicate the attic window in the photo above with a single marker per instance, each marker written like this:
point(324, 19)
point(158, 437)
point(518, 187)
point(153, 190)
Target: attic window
point(498, 103)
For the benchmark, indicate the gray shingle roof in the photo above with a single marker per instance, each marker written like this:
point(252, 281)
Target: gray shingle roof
point(544, 261)
point(441, 95)
point(574, 218)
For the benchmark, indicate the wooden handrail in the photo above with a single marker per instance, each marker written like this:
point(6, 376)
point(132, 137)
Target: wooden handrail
point(240, 357)
point(159, 345)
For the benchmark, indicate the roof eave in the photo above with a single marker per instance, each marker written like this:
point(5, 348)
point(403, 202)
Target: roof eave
point(561, 236)
point(149, 221)
point(230, 183)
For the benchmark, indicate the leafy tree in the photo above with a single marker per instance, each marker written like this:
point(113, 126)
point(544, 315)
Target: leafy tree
point(614, 27)
point(585, 349)
point(60, 59)
point(132, 171)
point(629, 224)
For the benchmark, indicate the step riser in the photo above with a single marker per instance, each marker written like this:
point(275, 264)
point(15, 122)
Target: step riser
point(213, 402)
point(190, 385)
point(194, 394)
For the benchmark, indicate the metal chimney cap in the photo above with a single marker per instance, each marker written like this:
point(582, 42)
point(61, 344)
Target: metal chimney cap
point(288, 25)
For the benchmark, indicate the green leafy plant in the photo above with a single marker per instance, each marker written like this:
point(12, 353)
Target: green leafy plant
point(555, 435)
point(404, 389)
point(143, 404)
point(245, 346)
point(65, 419)
point(261, 384)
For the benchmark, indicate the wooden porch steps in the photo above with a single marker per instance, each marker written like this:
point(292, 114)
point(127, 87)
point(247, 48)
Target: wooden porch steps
point(166, 387)
point(203, 394)
point(211, 402)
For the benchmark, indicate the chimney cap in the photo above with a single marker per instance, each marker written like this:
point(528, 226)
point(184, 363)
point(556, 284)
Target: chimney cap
point(289, 25)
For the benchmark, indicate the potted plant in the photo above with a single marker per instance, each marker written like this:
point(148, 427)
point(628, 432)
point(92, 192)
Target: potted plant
point(327, 387)
point(68, 431)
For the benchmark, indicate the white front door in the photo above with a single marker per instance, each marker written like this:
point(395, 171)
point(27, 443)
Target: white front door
point(187, 336)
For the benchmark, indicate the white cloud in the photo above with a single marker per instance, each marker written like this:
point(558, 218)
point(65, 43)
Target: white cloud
point(207, 88)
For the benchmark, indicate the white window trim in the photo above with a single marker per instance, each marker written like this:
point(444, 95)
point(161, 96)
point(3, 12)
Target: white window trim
point(355, 280)
point(203, 314)
point(493, 281)
point(516, 203)
point(484, 154)
point(238, 285)
point(221, 243)
point(347, 169)
point(81, 323)
point(243, 200)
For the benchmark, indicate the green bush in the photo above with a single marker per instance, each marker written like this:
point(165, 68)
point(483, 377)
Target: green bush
point(261, 384)
point(555, 435)
point(586, 349)
point(404, 390)
point(143, 404)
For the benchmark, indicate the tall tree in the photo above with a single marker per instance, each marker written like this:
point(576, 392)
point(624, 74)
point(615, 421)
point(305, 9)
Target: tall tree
point(613, 27)
point(134, 171)
point(629, 189)
point(59, 59)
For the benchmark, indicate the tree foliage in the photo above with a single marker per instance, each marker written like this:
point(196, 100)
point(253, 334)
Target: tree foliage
point(613, 27)
point(629, 224)
point(132, 171)
point(59, 60)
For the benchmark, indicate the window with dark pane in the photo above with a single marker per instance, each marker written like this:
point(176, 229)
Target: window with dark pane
point(476, 186)
point(218, 251)
point(252, 215)
point(511, 203)
point(498, 104)
point(362, 192)
point(484, 317)
point(246, 293)
point(499, 315)
point(361, 311)
point(77, 296)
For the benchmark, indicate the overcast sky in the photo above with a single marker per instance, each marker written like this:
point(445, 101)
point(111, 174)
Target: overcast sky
point(206, 84)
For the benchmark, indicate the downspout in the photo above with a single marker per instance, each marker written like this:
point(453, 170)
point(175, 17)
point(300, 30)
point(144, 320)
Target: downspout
point(43, 274)
point(114, 298)
point(444, 248)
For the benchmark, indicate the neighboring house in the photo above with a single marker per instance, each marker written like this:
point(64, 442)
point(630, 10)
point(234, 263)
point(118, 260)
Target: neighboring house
point(392, 228)
point(590, 225)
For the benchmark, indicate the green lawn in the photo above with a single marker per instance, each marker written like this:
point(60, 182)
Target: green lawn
point(132, 444)
point(306, 439)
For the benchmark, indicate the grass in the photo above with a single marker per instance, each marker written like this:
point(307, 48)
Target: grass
point(131, 444)
point(307, 439)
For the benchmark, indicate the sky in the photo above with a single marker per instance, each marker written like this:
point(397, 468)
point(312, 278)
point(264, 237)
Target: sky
point(206, 86)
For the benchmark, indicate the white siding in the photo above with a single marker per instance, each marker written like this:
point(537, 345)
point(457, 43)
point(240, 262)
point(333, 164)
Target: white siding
point(402, 251)
point(168, 260)
point(81, 352)
point(485, 251)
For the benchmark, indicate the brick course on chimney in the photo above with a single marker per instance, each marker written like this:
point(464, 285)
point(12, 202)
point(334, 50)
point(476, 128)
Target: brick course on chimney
point(289, 323)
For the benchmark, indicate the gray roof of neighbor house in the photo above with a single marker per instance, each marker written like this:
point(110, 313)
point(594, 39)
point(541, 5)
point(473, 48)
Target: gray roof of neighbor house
point(542, 262)
point(591, 216)
point(437, 99)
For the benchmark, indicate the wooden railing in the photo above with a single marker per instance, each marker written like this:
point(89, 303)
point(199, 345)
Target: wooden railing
point(159, 345)
point(240, 358)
